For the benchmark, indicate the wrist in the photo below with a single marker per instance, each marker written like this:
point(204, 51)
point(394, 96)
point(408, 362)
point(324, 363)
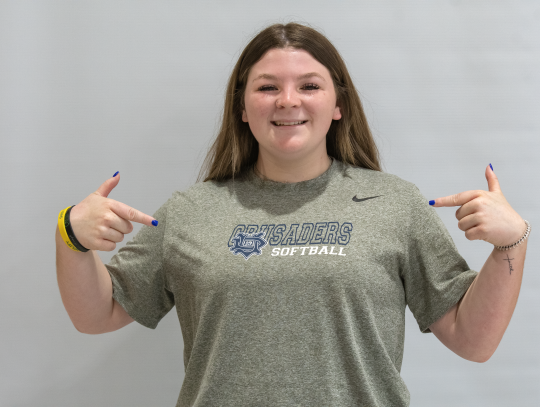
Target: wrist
point(523, 237)
point(66, 231)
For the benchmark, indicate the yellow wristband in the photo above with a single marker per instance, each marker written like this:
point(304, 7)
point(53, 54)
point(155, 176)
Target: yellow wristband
point(62, 228)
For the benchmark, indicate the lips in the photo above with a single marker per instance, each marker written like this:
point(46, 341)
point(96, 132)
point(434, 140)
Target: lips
point(280, 123)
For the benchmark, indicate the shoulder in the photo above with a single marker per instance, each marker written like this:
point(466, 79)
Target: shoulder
point(383, 182)
point(201, 190)
point(201, 197)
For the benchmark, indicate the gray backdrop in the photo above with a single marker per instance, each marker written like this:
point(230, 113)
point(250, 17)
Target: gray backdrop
point(91, 87)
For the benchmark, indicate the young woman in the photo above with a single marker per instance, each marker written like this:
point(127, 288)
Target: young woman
point(292, 263)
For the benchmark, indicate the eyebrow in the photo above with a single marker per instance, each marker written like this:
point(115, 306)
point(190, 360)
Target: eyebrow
point(304, 76)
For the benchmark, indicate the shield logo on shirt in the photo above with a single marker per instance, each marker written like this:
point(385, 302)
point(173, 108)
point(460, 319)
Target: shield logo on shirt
point(248, 244)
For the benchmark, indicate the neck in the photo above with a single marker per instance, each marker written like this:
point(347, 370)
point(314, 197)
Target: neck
point(293, 170)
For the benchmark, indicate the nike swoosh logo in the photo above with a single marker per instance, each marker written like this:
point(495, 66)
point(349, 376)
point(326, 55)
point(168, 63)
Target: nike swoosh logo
point(355, 199)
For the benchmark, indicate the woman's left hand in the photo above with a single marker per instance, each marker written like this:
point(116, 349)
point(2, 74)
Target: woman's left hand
point(486, 215)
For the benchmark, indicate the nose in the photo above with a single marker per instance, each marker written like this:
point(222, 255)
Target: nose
point(288, 98)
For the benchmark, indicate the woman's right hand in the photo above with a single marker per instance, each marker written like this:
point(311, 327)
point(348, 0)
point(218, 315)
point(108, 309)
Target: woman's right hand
point(99, 222)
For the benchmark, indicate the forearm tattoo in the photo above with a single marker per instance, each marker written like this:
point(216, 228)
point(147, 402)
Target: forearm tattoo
point(509, 263)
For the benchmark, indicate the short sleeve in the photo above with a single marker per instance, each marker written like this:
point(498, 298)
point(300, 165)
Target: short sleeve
point(435, 275)
point(138, 278)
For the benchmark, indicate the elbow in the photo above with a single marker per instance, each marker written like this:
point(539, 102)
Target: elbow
point(88, 329)
point(478, 350)
point(83, 330)
point(478, 359)
point(481, 355)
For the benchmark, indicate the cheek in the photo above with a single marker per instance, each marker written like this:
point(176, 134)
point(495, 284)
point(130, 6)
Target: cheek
point(258, 115)
point(254, 107)
point(262, 106)
point(322, 112)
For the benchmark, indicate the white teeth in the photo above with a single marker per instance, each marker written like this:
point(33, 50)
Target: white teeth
point(288, 123)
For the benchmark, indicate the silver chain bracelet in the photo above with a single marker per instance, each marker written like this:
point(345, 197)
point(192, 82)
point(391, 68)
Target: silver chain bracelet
point(525, 236)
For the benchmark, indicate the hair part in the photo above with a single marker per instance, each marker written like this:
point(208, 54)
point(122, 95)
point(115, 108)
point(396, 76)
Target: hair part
point(349, 139)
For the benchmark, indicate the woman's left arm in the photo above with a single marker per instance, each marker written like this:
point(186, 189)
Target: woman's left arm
point(474, 327)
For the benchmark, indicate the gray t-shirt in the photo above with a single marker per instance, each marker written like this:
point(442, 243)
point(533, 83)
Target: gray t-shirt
point(293, 294)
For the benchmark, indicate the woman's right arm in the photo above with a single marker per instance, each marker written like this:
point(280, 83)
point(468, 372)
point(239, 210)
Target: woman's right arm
point(85, 284)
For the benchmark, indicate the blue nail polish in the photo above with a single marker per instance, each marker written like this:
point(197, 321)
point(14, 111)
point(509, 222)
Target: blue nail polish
point(116, 173)
point(491, 166)
point(154, 222)
point(432, 202)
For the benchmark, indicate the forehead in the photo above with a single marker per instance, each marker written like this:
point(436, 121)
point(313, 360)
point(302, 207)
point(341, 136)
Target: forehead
point(282, 62)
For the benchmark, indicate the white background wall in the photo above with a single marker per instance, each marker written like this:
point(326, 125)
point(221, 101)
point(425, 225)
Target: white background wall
point(91, 87)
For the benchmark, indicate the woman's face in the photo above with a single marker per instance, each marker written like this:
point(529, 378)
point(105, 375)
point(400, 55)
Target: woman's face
point(290, 102)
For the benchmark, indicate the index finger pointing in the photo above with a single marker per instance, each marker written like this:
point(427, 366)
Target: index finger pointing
point(132, 214)
point(455, 200)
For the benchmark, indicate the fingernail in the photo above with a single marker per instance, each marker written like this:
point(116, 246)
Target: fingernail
point(154, 222)
point(116, 173)
point(491, 166)
point(432, 202)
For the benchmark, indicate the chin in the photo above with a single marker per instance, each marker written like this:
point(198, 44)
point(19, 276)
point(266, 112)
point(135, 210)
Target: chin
point(291, 144)
point(291, 147)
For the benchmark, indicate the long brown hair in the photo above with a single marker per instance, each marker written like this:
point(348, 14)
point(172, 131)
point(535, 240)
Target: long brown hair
point(348, 140)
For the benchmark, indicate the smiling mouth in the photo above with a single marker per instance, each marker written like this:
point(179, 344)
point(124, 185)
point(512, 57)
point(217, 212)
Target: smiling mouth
point(289, 124)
